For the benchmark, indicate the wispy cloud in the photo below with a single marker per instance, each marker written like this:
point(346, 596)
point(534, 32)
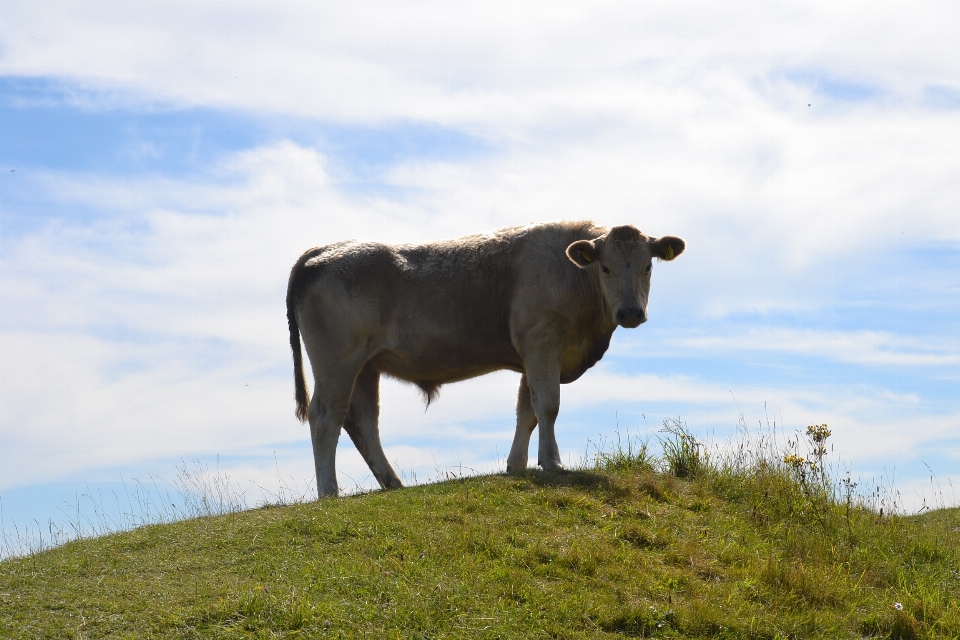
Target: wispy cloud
point(469, 63)
point(860, 347)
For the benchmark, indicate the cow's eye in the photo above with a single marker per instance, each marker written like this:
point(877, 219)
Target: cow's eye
point(649, 269)
point(603, 268)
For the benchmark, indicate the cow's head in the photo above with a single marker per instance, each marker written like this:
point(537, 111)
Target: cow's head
point(623, 260)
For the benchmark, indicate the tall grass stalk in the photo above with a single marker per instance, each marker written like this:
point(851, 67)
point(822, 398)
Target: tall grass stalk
point(195, 491)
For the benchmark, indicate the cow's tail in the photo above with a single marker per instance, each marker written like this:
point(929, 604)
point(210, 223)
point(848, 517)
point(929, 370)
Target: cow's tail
point(299, 382)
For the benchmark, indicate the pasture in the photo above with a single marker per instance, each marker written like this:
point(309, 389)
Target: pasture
point(678, 544)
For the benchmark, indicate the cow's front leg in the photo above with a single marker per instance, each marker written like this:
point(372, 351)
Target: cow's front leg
point(542, 364)
point(526, 423)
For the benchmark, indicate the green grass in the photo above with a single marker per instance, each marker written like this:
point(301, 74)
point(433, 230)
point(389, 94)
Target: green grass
point(742, 546)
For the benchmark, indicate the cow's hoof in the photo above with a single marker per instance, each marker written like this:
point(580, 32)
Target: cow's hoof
point(516, 468)
point(328, 491)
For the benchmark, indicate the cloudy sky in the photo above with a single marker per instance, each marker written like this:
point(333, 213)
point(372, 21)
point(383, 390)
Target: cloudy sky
point(163, 164)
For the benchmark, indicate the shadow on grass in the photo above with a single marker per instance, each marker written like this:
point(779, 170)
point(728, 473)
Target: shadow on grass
point(575, 479)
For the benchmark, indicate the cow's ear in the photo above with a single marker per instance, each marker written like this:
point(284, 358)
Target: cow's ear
point(583, 253)
point(668, 247)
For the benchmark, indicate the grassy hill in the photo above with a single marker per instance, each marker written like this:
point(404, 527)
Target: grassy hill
point(682, 546)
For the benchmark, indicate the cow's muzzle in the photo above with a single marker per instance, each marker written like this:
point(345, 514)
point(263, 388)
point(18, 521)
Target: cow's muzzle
point(631, 317)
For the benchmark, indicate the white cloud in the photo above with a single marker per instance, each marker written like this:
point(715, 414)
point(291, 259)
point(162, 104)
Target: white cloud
point(859, 347)
point(477, 63)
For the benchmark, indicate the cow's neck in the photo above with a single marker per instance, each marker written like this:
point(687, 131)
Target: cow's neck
point(592, 343)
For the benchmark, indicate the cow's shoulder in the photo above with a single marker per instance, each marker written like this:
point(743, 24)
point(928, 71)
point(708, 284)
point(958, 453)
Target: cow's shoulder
point(543, 269)
point(550, 235)
point(554, 294)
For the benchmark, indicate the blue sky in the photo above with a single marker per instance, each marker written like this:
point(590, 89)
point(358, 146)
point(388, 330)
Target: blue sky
point(162, 165)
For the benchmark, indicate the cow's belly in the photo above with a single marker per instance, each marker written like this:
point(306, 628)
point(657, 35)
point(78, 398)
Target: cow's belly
point(438, 359)
point(440, 337)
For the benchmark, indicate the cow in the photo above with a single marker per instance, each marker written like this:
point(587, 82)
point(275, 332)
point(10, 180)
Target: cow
point(542, 300)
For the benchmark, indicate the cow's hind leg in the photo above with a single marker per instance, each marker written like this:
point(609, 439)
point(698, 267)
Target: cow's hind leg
point(362, 425)
point(325, 422)
point(327, 413)
point(526, 423)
